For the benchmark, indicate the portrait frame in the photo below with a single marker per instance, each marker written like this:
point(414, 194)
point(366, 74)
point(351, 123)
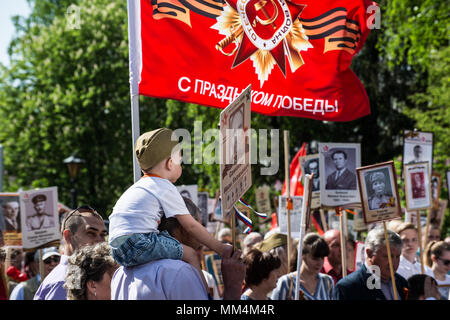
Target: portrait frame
point(202, 198)
point(295, 215)
point(417, 194)
point(435, 188)
point(315, 191)
point(341, 191)
point(437, 215)
point(384, 203)
point(424, 139)
point(48, 233)
point(11, 237)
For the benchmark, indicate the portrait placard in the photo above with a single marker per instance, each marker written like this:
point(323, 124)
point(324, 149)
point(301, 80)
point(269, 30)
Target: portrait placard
point(189, 191)
point(436, 181)
point(418, 147)
point(295, 215)
point(310, 164)
point(202, 204)
point(437, 215)
point(39, 219)
point(379, 192)
point(10, 216)
point(337, 166)
point(417, 186)
point(262, 196)
point(235, 169)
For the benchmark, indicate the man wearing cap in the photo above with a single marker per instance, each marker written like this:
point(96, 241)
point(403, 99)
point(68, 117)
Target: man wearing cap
point(40, 220)
point(80, 227)
point(380, 198)
point(26, 290)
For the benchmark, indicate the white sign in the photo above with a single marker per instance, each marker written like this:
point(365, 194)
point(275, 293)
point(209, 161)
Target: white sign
point(360, 255)
point(235, 169)
point(418, 147)
point(262, 196)
point(39, 218)
point(295, 215)
point(338, 181)
point(417, 186)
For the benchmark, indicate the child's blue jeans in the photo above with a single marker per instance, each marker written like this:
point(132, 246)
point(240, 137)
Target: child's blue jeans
point(141, 248)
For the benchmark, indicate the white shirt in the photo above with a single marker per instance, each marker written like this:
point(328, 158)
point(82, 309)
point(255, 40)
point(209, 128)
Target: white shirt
point(444, 291)
point(211, 284)
point(164, 279)
point(141, 206)
point(407, 269)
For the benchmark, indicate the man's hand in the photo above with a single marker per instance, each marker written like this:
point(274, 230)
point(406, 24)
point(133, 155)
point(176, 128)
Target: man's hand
point(233, 273)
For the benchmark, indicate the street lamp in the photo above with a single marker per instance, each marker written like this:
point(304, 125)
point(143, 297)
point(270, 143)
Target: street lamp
point(73, 165)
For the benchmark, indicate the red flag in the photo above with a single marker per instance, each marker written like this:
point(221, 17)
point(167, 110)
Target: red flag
point(295, 172)
point(295, 54)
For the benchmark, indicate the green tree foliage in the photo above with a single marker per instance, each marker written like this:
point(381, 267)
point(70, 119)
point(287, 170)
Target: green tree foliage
point(67, 92)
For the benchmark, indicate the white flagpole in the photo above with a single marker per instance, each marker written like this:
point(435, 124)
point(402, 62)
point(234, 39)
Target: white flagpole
point(135, 53)
point(305, 206)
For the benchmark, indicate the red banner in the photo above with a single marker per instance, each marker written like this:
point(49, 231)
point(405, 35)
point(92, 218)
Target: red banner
point(296, 54)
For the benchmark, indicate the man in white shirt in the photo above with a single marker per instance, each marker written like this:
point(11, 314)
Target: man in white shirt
point(409, 264)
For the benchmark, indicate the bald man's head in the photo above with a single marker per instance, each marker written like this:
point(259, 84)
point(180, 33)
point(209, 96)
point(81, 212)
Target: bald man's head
point(331, 235)
point(333, 239)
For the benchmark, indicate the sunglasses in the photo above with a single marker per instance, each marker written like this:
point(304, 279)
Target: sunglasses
point(76, 212)
point(52, 258)
point(445, 261)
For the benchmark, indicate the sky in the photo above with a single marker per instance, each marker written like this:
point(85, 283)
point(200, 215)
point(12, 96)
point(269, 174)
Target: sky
point(9, 8)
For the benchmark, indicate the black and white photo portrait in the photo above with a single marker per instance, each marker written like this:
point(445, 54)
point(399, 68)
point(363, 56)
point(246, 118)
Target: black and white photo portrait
point(312, 167)
point(39, 218)
point(418, 147)
point(379, 189)
point(11, 213)
point(379, 192)
point(338, 181)
point(340, 169)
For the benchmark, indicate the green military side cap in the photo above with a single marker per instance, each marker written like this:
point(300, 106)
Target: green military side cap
point(154, 146)
point(275, 240)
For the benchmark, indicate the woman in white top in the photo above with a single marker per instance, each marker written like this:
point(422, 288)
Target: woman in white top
point(409, 264)
point(437, 259)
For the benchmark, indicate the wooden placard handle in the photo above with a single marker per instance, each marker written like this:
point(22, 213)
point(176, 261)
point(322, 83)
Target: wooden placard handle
point(391, 268)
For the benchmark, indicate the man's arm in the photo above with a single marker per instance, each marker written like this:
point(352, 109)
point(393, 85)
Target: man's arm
point(233, 273)
point(196, 230)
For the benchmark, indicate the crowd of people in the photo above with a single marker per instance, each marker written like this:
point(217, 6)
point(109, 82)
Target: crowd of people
point(155, 244)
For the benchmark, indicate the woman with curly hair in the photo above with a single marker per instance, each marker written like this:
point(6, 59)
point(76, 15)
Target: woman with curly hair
point(89, 273)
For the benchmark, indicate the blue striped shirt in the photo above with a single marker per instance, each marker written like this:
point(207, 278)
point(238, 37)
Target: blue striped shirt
point(285, 289)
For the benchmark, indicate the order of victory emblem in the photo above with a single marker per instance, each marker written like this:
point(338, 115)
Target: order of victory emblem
point(266, 31)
